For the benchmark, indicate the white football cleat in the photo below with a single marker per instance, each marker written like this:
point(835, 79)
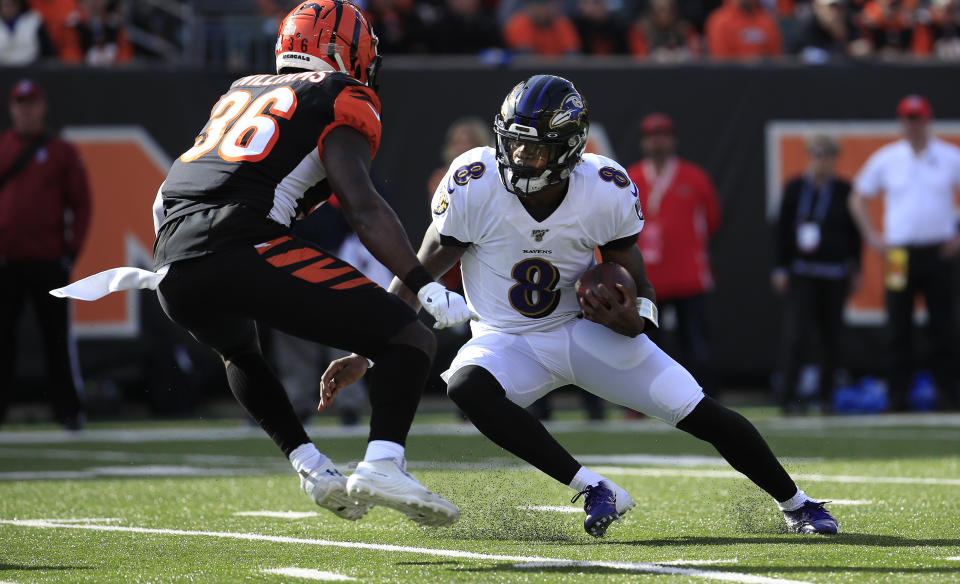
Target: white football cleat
point(328, 488)
point(386, 482)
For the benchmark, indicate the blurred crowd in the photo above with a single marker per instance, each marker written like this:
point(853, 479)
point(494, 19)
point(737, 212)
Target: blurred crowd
point(234, 34)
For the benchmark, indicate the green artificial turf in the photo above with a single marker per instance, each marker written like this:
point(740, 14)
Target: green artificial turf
point(901, 526)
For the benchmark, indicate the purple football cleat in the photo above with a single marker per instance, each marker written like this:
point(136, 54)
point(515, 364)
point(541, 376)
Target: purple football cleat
point(811, 518)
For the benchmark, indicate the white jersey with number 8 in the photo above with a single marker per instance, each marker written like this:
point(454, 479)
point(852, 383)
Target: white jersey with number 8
point(519, 273)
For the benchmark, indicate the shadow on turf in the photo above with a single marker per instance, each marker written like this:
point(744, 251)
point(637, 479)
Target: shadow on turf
point(856, 539)
point(37, 568)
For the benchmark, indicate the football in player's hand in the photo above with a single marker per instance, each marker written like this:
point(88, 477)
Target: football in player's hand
point(609, 274)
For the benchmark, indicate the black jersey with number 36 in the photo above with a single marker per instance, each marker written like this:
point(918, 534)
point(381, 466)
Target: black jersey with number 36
point(257, 163)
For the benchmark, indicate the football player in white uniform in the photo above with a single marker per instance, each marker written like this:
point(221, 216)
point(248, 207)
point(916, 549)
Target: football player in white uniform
point(524, 219)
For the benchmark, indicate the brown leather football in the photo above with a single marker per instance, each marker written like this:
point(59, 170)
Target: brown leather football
point(609, 274)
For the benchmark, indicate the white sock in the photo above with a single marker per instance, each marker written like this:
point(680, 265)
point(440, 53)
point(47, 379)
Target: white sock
point(585, 478)
point(380, 449)
point(306, 456)
point(794, 502)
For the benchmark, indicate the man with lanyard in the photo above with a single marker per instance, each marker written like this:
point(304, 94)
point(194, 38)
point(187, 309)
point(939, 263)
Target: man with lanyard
point(818, 254)
point(681, 214)
point(919, 176)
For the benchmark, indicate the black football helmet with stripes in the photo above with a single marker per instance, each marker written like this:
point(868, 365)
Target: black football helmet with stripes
point(541, 133)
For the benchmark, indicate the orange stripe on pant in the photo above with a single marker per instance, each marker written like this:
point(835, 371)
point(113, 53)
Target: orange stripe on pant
point(263, 248)
point(352, 283)
point(315, 273)
point(295, 256)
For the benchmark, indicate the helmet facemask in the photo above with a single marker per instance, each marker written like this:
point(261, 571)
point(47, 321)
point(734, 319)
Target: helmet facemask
point(528, 163)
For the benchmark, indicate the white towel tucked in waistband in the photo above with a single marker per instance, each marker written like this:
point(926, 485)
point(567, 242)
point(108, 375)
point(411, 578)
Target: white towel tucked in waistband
point(113, 280)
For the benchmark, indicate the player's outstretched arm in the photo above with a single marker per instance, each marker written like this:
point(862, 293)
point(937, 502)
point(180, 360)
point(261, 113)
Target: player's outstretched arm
point(346, 156)
point(437, 258)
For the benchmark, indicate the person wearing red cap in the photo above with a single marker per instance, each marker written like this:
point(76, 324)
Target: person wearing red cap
point(918, 176)
point(681, 212)
point(44, 215)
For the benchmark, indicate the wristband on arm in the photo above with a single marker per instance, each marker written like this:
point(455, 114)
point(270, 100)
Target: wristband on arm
point(417, 278)
point(648, 310)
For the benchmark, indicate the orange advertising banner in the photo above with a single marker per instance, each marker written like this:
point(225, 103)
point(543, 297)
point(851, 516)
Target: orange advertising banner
point(125, 167)
point(787, 158)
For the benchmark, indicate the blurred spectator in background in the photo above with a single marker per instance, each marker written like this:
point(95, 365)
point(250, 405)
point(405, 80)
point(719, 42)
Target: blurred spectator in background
point(681, 214)
point(918, 176)
point(465, 28)
point(818, 258)
point(600, 31)
point(23, 37)
point(940, 37)
point(400, 26)
point(55, 14)
point(829, 32)
point(889, 25)
point(96, 35)
point(662, 35)
point(541, 28)
point(462, 135)
point(743, 29)
point(44, 215)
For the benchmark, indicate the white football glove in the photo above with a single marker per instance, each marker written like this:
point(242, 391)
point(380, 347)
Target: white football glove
point(448, 308)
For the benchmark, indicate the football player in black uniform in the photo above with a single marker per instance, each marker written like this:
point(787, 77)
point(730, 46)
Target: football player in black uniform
point(274, 147)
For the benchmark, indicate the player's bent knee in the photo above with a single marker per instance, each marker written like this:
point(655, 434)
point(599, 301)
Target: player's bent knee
point(676, 393)
point(239, 352)
point(471, 384)
point(417, 335)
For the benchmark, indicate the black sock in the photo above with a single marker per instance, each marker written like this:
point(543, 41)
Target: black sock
point(399, 375)
point(259, 391)
point(739, 442)
point(477, 392)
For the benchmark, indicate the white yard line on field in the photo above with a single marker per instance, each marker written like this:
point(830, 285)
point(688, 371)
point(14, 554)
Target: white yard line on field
point(154, 470)
point(278, 514)
point(309, 574)
point(644, 567)
point(781, 426)
point(954, 558)
point(848, 501)
point(732, 474)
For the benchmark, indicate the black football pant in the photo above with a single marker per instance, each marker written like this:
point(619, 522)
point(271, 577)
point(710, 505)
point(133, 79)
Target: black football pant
point(691, 346)
point(32, 280)
point(481, 397)
point(813, 319)
point(930, 275)
point(296, 287)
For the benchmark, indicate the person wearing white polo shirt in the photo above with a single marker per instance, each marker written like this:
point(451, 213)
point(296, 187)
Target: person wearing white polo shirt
point(918, 177)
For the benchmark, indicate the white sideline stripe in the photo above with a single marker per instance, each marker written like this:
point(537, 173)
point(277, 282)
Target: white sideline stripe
point(778, 425)
point(555, 508)
point(848, 501)
point(309, 574)
point(732, 474)
point(278, 514)
point(647, 567)
point(125, 471)
point(953, 558)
